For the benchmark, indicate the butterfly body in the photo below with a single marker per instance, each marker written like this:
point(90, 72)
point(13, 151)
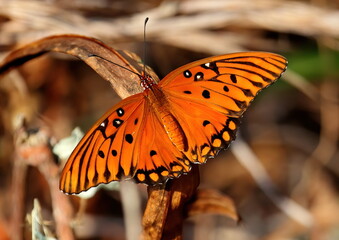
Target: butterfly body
point(162, 108)
point(187, 118)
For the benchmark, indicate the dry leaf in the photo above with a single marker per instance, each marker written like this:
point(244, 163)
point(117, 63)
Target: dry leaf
point(119, 69)
point(210, 201)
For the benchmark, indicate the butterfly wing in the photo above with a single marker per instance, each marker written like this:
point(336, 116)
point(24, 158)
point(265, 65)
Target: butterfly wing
point(128, 141)
point(158, 158)
point(98, 158)
point(210, 95)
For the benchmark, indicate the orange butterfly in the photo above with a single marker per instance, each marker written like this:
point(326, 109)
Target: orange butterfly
point(187, 118)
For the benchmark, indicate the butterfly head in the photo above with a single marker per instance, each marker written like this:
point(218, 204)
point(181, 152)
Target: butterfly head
point(146, 81)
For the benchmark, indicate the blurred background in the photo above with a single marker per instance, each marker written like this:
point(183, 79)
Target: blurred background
point(282, 171)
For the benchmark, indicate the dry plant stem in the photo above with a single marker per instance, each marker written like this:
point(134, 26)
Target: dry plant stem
point(62, 209)
point(131, 205)
point(329, 134)
point(301, 84)
point(248, 159)
point(18, 197)
point(165, 210)
point(34, 150)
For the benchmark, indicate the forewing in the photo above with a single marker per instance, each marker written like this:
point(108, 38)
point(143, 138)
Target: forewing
point(210, 95)
point(105, 153)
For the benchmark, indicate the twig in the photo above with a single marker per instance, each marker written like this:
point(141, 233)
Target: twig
point(34, 150)
point(131, 204)
point(165, 210)
point(18, 197)
point(252, 164)
point(301, 84)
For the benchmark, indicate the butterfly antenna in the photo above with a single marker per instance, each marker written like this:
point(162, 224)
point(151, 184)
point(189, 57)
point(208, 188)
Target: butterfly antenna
point(94, 55)
point(145, 23)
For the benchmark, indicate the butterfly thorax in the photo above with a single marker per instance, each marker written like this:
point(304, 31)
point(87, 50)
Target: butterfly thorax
point(161, 106)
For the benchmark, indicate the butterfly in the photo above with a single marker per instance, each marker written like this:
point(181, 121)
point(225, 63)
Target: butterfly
point(185, 119)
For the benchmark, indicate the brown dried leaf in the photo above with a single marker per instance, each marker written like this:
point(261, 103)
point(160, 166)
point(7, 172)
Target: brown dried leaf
point(210, 201)
point(106, 61)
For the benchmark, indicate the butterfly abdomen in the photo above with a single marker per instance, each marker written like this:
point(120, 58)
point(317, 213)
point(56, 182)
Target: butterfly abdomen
point(174, 131)
point(171, 125)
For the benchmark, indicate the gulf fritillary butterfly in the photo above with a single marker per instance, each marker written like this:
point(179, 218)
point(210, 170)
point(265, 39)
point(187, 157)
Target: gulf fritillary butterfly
point(186, 119)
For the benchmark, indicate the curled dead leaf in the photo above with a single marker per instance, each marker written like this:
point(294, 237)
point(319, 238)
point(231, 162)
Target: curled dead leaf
point(210, 201)
point(120, 68)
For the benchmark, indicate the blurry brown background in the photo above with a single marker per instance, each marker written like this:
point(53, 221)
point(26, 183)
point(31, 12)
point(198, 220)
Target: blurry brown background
point(289, 191)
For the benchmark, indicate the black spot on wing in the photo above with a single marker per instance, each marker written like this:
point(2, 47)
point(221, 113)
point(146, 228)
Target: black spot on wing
point(102, 127)
point(114, 153)
point(187, 74)
point(117, 122)
point(129, 138)
point(247, 92)
point(205, 123)
point(199, 76)
point(107, 174)
point(101, 154)
point(152, 153)
point(240, 104)
point(206, 94)
point(211, 66)
point(120, 112)
point(233, 78)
